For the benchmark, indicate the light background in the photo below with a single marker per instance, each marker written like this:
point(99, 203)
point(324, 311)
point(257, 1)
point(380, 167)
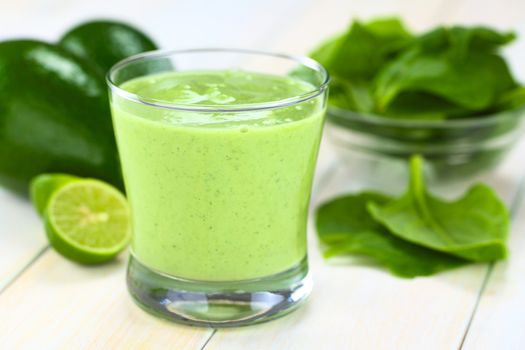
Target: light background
point(258, 24)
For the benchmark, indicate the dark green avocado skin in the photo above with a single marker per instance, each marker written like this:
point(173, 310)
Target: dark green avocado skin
point(54, 108)
point(104, 43)
point(54, 116)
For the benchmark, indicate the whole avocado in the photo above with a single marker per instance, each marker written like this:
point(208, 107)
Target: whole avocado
point(54, 108)
point(104, 43)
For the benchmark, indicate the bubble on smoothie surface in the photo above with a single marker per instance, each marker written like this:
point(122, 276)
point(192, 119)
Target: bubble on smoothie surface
point(222, 89)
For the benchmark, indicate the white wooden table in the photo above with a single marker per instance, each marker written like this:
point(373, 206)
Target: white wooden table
point(47, 302)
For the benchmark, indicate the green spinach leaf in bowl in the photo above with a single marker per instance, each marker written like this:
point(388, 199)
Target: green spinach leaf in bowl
point(447, 94)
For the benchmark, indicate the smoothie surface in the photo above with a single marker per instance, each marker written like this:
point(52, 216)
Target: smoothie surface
point(221, 89)
point(217, 88)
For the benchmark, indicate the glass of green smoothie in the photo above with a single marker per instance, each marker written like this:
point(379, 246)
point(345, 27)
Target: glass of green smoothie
point(218, 149)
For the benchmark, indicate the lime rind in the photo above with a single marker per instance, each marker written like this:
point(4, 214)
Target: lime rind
point(43, 186)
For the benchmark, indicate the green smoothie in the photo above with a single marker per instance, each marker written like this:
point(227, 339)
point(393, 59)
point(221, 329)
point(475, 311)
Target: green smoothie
point(218, 195)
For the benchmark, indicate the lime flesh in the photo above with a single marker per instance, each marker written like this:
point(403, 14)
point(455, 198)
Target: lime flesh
point(87, 221)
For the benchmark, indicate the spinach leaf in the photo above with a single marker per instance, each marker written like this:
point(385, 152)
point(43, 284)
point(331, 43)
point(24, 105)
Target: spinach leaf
point(354, 58)
point(512, 99)
point(379, 67)
point(365, 48)
point(418, 105)
point(323, 54)
point(474, 227)
point(345, 226)
point(463, 39)
point(339, 218)
point(456, 64)
point(356, 95)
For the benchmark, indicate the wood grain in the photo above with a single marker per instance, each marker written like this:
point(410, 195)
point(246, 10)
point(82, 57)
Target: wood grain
point(57, 304)
point(500, 316)
point(496, 322)
point(21, 236)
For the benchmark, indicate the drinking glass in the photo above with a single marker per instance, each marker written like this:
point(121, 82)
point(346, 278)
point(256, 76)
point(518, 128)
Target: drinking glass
point(219, 192)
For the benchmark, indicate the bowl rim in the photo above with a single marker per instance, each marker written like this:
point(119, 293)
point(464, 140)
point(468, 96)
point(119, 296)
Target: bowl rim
point(375, 119)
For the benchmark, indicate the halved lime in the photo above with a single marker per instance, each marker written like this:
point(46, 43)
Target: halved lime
point(43, 186)
point(87, 221)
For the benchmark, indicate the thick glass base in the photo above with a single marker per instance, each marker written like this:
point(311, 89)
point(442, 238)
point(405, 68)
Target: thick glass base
point(218, 304)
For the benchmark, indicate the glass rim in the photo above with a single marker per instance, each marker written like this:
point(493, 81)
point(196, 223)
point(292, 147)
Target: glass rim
point(374, 119)
point(302, 60)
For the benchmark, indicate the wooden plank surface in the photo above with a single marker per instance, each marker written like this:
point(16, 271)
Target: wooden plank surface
point(500, 316)
point(57, 304)
point(21, 239)
point(498, 320)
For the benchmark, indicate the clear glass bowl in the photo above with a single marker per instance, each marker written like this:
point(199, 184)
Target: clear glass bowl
point(377, 148)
